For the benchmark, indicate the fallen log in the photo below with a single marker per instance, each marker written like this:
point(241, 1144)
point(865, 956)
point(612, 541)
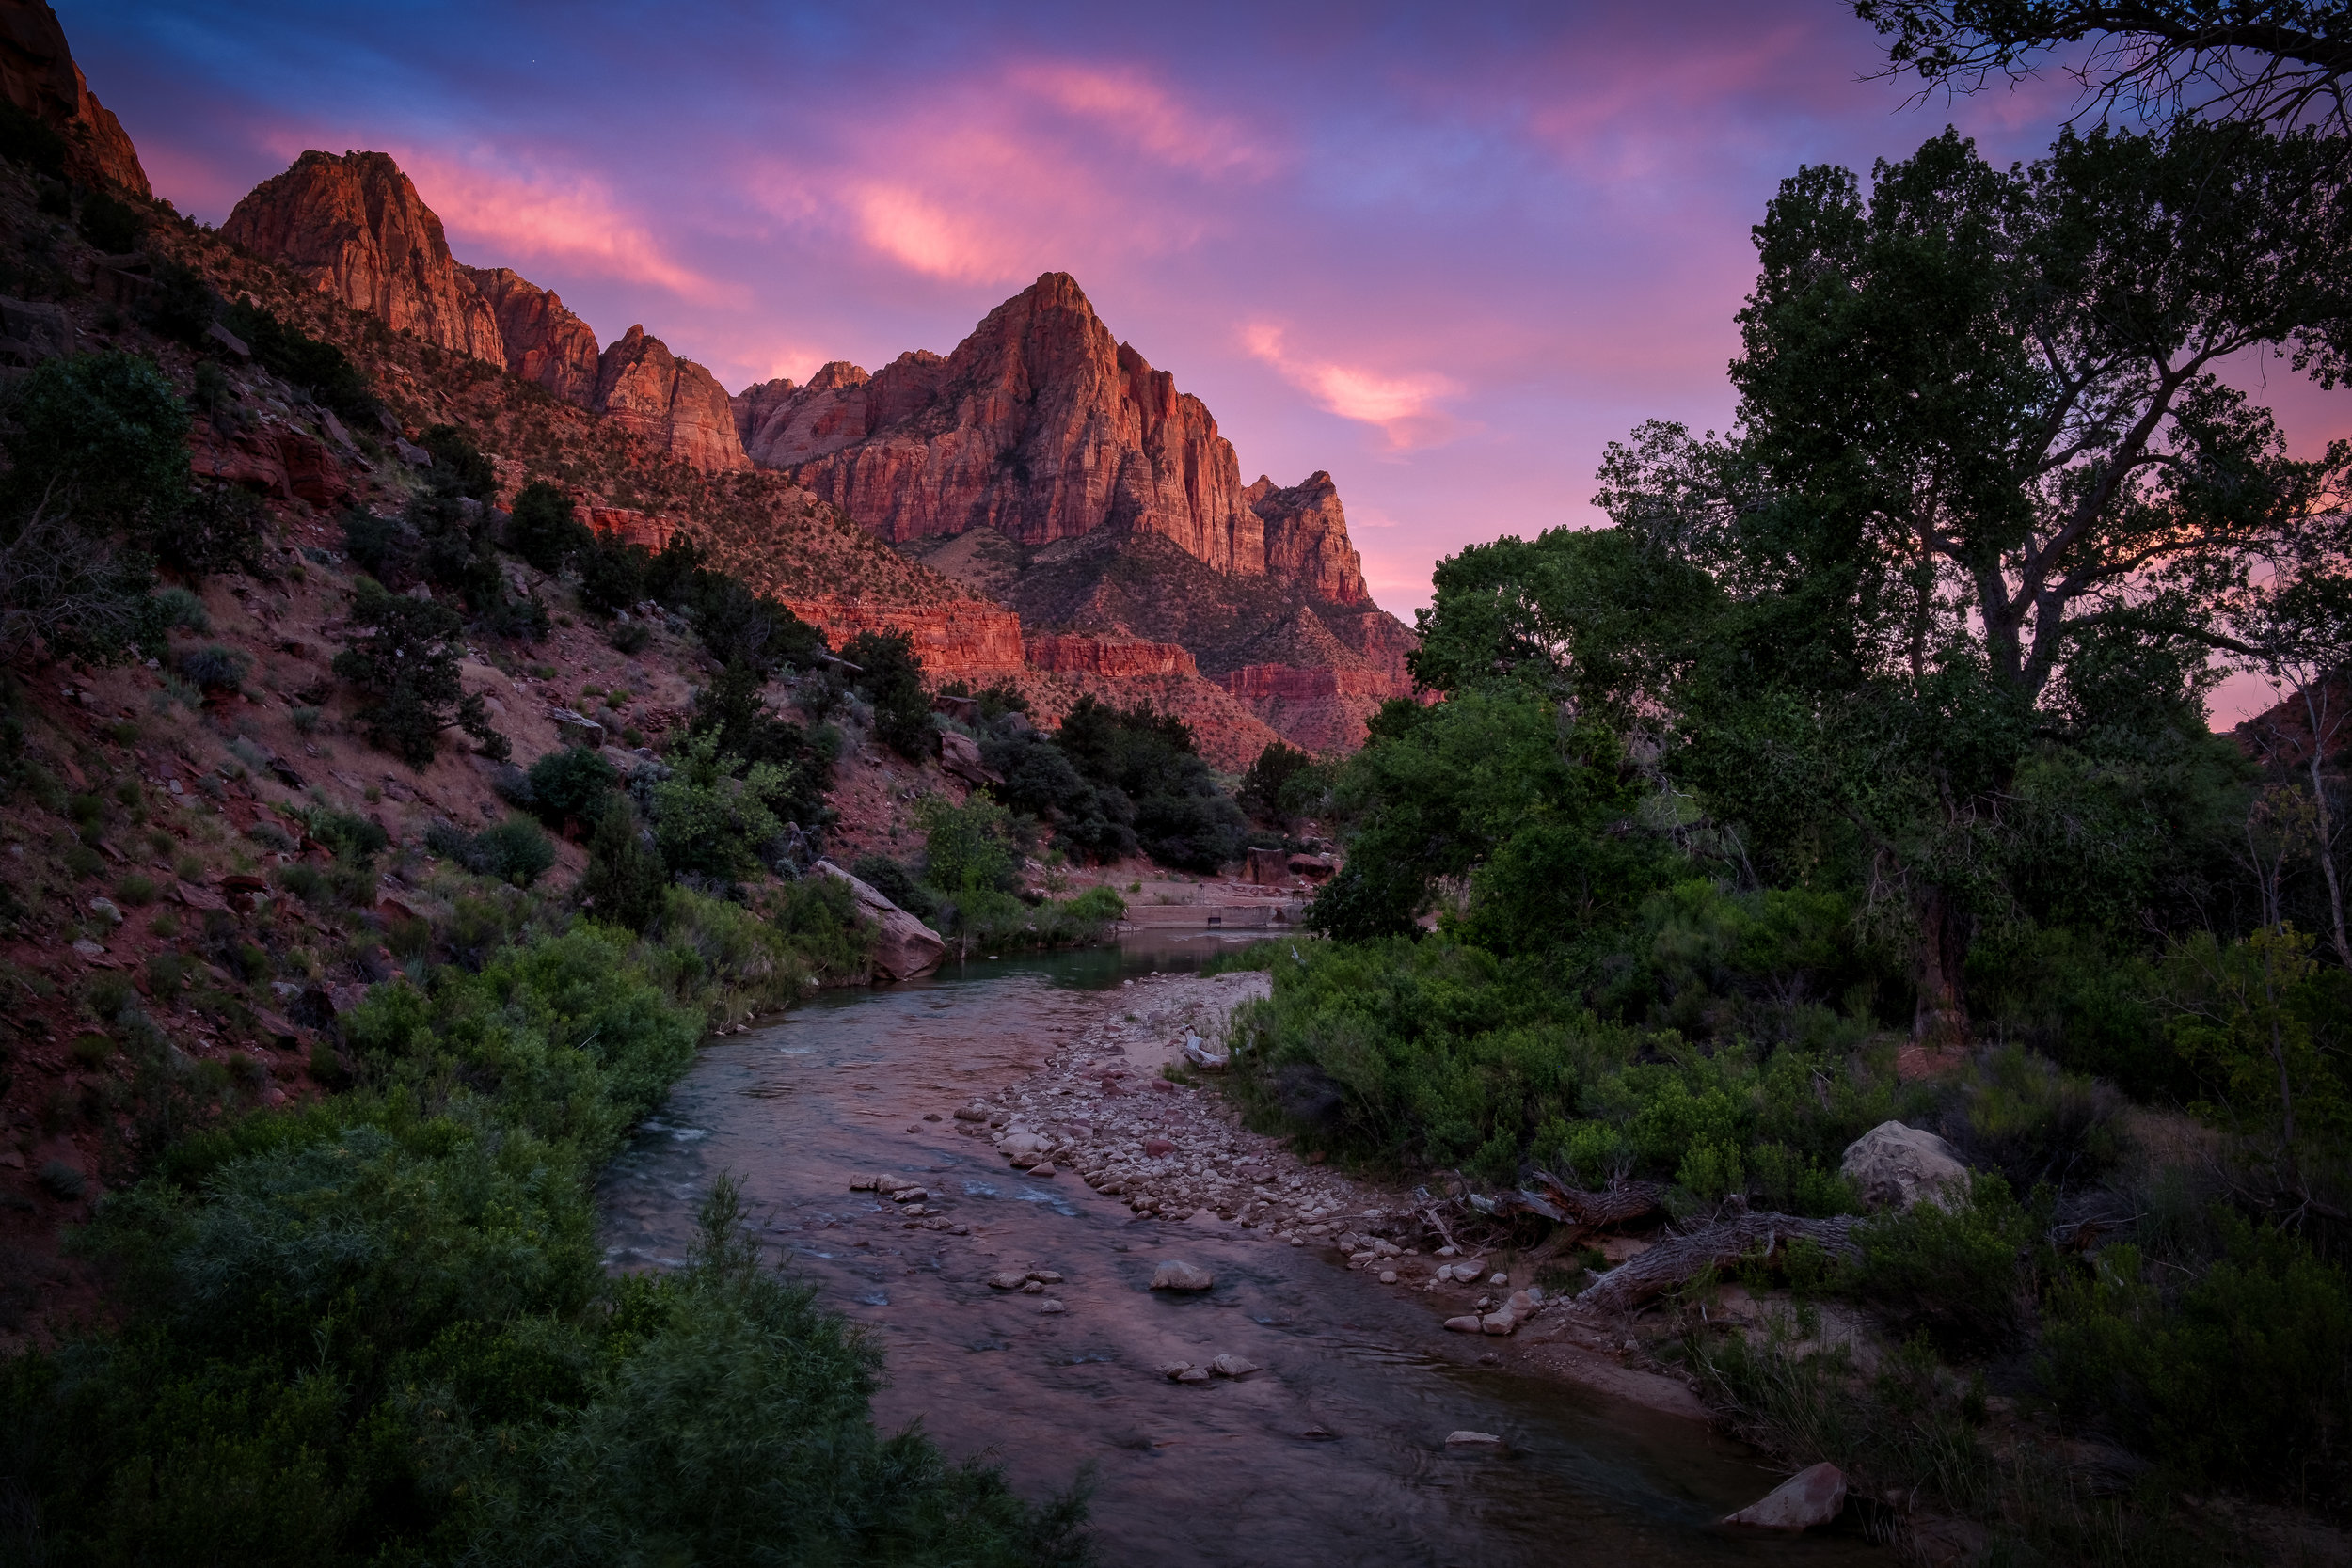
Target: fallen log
point(1679, 1258)
point(1618, 1205)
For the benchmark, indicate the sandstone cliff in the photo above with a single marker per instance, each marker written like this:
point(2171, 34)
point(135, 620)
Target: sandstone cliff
point(1306, 539)
point(543, 342)
point(1039, 425)
point(1068, 653)
point(356, 227)
point(39, 76)
point(675, 405)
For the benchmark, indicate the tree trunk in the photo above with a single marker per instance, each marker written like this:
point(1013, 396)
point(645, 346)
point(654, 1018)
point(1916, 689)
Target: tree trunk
point(1942, 1017)
point(1681, 1259)
point(2323, 731)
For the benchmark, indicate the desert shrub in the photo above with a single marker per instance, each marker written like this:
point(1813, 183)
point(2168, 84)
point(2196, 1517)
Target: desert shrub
point(819, 916)
point(1954, 1273)
point(630, 637)
point(731, 711)
point(110, 225)
point(1148, 788)
point(351, 837)
point(624, 878)
point(175, 607)
point(403, 655)
point(611, 573)
point(318, 368)
point(967, 848)
point(545, 526)
point(183, 306)
point(134, 889)
point(891, 677)
point(458, 467)
point(724, 958)
point(515, 850)
point(571, 783)
point(2242, 1376)
point(270, 835)
point(213, 667)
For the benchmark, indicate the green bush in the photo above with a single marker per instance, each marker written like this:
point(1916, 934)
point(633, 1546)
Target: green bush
point(715, 817)
point(571, 783)
point(1955, 1272)
point(213, 667)
point(351, 837)
point(897, 881)
point(2240, 1377)
point(624, 878)
point(891, 677)
point(458, 466)
point(545, 526)
point(818, 915)
point(515, 850)
point(403, 655)
point(1262, 787)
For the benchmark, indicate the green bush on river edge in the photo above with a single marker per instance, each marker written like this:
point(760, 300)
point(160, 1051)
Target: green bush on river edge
point(376, 1327)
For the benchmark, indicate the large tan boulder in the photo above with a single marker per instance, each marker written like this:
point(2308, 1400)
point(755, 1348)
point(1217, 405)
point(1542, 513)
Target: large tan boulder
point(1811, 1497)
point(908, 947)
point(1897, 1166)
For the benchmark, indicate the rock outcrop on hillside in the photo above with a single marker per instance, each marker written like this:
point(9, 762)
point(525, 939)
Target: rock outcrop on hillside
point(1068, 653)
point(543, 342)
point(356, 227)
point(39, 76)
point(1306, 539)
point(673, 403)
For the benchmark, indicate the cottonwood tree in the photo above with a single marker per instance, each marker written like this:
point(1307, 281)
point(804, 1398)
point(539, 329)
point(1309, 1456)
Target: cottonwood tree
point(1987, 495)
point(2277, 62)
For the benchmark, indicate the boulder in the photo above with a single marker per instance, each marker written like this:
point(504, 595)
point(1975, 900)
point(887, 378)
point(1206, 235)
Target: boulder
point(959, 756)
point(31, 333)
point(908, 947)
point(1894, 1165)
point(577, 729)
point(1472, 1440)
point(1811, 1497)
point(1175, 1275)
point(1232, 1366)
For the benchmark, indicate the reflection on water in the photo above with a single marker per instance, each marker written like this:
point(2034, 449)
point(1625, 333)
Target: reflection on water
point(1334, 1452)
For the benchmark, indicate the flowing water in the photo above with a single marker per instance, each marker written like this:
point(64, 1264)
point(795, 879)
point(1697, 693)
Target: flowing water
point(1335, 1452)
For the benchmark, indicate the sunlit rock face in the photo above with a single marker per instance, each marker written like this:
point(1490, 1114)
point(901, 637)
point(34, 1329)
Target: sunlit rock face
point(356, 227)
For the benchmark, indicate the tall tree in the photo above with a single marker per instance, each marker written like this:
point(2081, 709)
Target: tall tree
point(1987, 492)
point(2275, 62)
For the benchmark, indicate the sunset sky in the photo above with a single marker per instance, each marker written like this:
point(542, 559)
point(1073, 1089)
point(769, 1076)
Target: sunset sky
point(1444, 251)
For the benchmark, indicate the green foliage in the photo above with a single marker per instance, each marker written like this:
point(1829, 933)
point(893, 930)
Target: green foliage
point(515, 850)
point(716, 816)
point(1276, 768)
point(897, 881)
point(219, 529)
point(1955, 1272)
point(967, 848)
point(891, 677)
point(458, 467)
point(318, 368)
point(356, 840)
point(213, 667)
point(183, 306)
point(571, 783)
point(624, 883)
point(819, 916)
point(545, 528)
point(732, 712)
point(2241, 1376)
point(404, 656)
point(1146, 788)
point(2264, 1030)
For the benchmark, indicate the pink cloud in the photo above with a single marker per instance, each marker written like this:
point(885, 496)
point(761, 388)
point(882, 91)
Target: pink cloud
point(516, 216)
point(1403, 407)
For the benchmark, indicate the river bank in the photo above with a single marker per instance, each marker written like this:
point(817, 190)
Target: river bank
point(1333, 1441)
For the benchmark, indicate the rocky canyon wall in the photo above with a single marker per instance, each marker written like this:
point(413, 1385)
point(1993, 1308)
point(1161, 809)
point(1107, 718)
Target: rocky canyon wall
point(39, 76)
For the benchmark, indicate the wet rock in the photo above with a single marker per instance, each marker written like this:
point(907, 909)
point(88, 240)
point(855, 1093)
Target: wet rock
point(970, 1113)
point(1045, 1277)
point(1472, 1440)
point(1175, 1275)
point(1469, 1322)
point(1232, 1366)
point(1193, 1374)
point(1050, 1305)
point(1387, 1276)
point(1044, 1167)
point(1032, 1287)
point(1811, 1497)
point(1009, 1281)
point(1894, 1166)
point(1170, 1369)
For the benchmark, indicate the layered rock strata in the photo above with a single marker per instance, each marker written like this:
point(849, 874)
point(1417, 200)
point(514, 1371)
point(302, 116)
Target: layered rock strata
point(543, 342)
point(1043, 426)
point(1080, 653)
point(356, 227)
point(39, 76)
point(957, 640)
point(673, 403)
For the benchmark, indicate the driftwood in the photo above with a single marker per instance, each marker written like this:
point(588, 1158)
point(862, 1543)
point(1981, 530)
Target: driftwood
point(1679, 1258)
point(1618, 1205)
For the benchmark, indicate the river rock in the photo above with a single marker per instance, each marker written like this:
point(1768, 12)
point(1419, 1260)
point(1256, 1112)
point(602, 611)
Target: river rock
point(1008, 1281)
point(1051, 1305)
point(1472, 1440)
point(1469, 1322)
point(1894, 1165)
point(1193, 1374)
point(1811, 1497)
point(1232, 1366)
point(908, 947)
point(1175, 1275)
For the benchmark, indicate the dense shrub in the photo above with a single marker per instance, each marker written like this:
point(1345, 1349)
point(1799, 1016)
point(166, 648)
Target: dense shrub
point(458, 467)
point(818, 915)
point(891, 677)
point(108, 224)
point(897, 881)
point(514, 851)
point(1262, 787)
point(715, 815)
point(402, 657)
point(2240, 1376)
point(624, 878)
point(572, 783)
point(318, 368)
point(1955, 1272)
point(545, 528)
point(1147, 788)
point(213, 667)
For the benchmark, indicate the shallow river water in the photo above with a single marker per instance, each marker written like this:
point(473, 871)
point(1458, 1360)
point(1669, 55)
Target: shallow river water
point(1334, 1453)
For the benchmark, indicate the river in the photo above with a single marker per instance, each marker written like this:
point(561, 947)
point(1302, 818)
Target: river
point(1334, 1452)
